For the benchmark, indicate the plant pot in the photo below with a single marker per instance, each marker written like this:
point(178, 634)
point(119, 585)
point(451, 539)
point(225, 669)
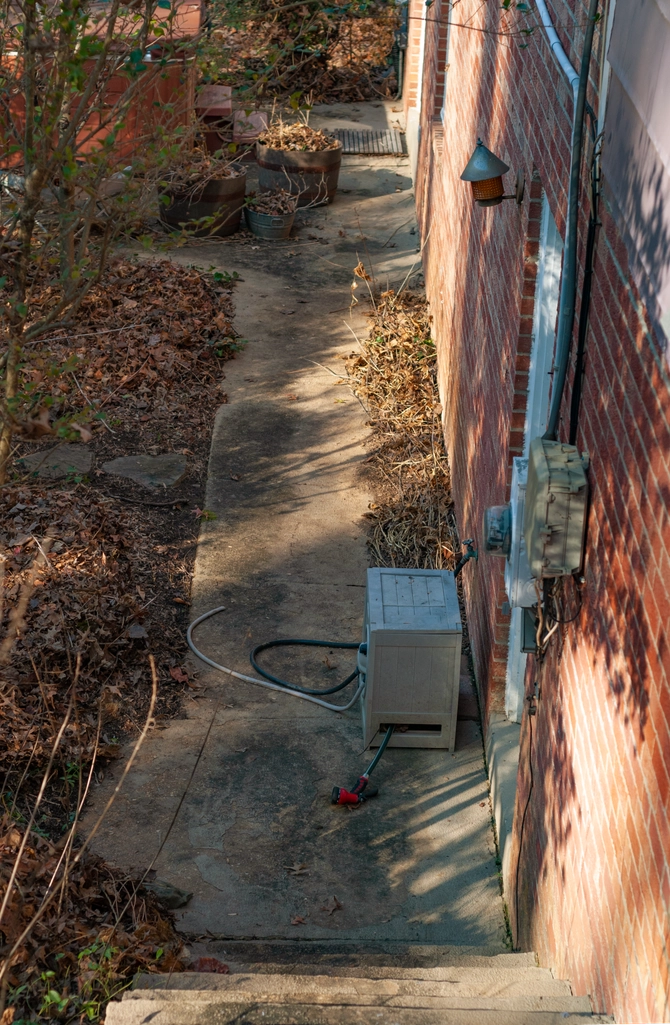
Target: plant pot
point(221, 199)
point(272, 226)
point(217, 132)
point(312, 177)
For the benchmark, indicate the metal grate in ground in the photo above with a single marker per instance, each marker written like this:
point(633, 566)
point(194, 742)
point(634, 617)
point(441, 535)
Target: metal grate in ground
point(371, 143)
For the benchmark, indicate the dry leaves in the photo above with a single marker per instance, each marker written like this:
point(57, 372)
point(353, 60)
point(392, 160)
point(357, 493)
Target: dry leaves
point(360, 271)
point(277, 203)
point(345, 61)
point(297, 136)
point(396, 378)
point(144, 350)
point(91, 941)
point(195, 169)
point(297, 869)
point(332, 906)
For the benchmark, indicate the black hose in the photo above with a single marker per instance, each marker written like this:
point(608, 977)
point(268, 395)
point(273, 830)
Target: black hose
point(380, 752)
point(313, 644)
point(567, 300)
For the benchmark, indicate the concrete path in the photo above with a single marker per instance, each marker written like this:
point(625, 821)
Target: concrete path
point(286, 555)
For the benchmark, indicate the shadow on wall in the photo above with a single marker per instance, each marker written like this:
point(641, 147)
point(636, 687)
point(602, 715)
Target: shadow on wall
point(639, 191)
point(482, 341)
point(597, 746)
point(603, 678)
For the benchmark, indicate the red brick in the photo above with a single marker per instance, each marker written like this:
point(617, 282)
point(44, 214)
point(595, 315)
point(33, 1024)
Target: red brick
point(599, 741)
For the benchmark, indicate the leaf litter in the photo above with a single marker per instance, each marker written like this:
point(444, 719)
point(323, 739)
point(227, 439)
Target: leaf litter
point(347, 59)
point(95, 576)
point(90, 942)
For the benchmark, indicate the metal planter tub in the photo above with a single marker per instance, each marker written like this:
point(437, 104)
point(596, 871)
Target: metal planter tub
point(271, 226)
point(312, 177)
point(221, 199)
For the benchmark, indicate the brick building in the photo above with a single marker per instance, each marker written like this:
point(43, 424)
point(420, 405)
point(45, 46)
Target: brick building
point(580, 785)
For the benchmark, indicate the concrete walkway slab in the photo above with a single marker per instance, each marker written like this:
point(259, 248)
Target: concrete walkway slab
point(286, 556)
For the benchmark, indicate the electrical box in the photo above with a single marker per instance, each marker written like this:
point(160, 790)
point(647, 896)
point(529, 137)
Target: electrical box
point(519, 581)
point(503, 537)
point(411, 657)
point(529, 632)
point(555, 508)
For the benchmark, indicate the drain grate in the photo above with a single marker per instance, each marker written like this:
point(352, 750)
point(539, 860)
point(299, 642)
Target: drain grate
point(372, 143)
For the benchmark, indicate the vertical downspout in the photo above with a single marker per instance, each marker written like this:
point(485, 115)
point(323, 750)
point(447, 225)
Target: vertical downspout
point(566, 305)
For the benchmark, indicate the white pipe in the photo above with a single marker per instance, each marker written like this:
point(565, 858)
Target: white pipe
point(254, 679)
point(557, 47)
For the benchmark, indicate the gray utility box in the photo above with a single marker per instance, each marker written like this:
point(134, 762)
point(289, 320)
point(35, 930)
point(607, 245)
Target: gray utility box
point(413, 634)
point(555, 508)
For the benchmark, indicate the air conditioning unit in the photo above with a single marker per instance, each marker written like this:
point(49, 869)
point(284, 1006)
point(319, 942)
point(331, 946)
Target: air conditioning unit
point(411, 657)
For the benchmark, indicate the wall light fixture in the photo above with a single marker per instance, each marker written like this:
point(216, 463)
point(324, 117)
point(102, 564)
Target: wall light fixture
point(484, 171)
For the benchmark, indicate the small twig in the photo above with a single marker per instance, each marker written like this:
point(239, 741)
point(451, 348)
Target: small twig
point(91, 405)
point(342, 377)
point(19, 611)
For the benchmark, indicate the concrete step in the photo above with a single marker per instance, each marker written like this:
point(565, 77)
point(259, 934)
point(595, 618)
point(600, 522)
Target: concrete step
point(526, 988)
point(357, 954)
point(187, 1012)
point(480, 973)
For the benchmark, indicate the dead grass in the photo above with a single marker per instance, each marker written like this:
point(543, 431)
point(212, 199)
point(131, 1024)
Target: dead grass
point(396, 378)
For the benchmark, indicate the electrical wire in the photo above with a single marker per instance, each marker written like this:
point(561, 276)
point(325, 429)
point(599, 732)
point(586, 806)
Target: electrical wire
point(523, 824)
point(264, 683)
point(553, 612)
point(567, 297)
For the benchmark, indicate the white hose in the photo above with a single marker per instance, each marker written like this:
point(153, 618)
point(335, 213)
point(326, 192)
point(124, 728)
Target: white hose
point(557, 47)
point(255, 679)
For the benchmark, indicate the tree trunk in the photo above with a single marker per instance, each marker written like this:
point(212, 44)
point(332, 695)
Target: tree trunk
point(11, 387)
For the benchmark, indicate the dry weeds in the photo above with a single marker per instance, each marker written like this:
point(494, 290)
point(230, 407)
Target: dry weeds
point(396, 378)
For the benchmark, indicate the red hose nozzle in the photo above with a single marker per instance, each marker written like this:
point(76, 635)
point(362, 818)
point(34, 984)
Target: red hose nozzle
point(357, 795)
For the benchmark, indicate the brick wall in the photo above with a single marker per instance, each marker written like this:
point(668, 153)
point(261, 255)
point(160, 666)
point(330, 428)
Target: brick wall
point(593, 858)
point(411, 75)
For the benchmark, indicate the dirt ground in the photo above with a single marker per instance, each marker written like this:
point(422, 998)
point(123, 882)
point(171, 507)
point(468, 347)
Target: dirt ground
point(256, 839)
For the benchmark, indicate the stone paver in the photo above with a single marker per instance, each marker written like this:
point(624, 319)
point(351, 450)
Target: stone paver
point(59, 461)
point(161, 471)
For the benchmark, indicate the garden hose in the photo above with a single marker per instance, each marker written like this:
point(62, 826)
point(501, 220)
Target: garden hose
point(360, 792)
point(315, 644)
point(273, 682)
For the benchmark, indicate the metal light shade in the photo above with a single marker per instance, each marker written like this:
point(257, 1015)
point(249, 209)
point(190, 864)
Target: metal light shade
point(484, 172)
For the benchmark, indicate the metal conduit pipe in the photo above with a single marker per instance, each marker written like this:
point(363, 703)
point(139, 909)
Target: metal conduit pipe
point(567, 297)
point(557, 47)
